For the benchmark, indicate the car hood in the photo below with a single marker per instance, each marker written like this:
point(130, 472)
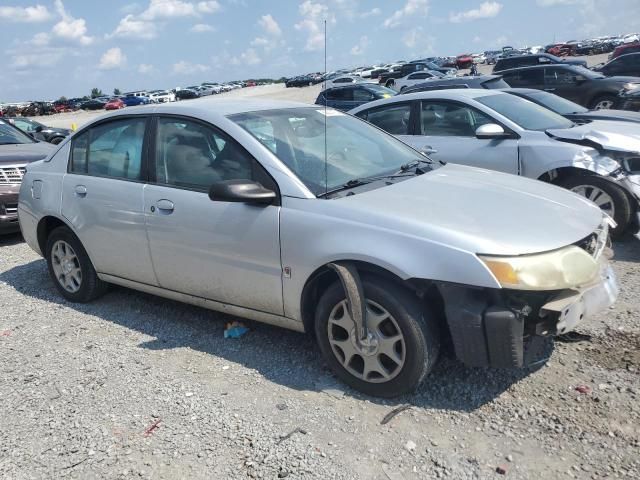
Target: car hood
point(609, 135)
point(24, 153)
point(476, 210)
point(620, 79)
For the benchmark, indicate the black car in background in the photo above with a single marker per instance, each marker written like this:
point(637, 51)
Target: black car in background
point(628, 64)
point(487, 82)
point(352, 96)
point(574, 112)
point(93, 104)
point(630, 100)
point(532, 60)
point(587, 88)
point(186, 94)
point(303, 81)
point(39, 131)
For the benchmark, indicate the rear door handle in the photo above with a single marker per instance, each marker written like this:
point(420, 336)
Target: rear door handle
point(81, 191)
point(165, 206)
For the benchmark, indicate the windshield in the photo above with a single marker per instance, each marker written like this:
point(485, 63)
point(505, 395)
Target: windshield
point(10, 135)
point(524, 113)
point(557, 104)
point(382, 92)
point(585, 72)
point(354, 149)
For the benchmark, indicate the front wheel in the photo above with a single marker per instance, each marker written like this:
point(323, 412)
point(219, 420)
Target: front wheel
point(390, 84)
point(611, 198)
point(403, 347)
point(603, 102)
point(70, 267)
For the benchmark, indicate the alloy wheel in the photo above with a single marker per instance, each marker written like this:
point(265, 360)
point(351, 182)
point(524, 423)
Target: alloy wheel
point(604, 105)
point(66, 266)
point(383, 356)
point(598, 196)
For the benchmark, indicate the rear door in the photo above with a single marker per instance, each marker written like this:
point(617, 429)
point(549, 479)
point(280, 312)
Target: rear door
point(340, 98)
point(446, 131)
point(102, 197)
point(528, 78)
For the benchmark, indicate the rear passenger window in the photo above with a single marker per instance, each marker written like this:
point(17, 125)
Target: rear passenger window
point(362, 95)
point(393, 119)
point(112, 150)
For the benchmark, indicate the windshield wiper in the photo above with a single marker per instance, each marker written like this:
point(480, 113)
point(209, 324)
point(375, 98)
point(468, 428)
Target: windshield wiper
point(357, 182)
point(411, 165)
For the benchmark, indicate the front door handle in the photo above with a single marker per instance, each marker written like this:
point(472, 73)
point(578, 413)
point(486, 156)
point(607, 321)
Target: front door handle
point(549, 89)
point(428, 150)
point(81, 191)
point(165, 206)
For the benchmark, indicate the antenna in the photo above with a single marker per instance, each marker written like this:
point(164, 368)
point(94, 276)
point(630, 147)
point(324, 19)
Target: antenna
point(326, 174)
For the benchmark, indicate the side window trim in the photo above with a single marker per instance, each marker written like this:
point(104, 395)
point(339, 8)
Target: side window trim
point(89, 130)
point(409, 103)
point(152, 177)
point(460, 104)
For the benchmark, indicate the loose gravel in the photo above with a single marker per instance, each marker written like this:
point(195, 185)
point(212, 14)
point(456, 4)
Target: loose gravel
point(134, 386)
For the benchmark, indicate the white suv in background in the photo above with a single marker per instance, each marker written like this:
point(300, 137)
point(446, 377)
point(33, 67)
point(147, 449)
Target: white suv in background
point(162, 96)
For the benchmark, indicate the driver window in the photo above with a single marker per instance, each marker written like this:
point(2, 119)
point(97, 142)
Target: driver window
point(393, 119)
point(557, 76)
point(192, 155)
point(445, 119)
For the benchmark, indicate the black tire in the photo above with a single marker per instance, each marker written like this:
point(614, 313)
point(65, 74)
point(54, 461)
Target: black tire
point(91, 286)
point(416, 322)
point(623, 212)
point(603, 98)
point(404, 87)
point(390, 84)
point(57, 140)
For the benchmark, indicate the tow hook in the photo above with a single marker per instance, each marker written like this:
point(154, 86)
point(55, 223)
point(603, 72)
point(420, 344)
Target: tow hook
point(356, 304)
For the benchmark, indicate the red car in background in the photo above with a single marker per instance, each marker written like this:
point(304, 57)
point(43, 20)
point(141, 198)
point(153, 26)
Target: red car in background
point(114, 104)
point(624, 49)
point(464, 61)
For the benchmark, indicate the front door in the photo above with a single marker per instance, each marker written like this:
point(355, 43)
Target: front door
point(223, 251)
point(446, 131)
point(563, 82)
point(102, 198)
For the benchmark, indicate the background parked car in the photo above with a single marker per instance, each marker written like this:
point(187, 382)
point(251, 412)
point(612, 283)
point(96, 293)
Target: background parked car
point(115, 103)
point(494, 130)
point(343, 80)
point(39, 131)
point(415, 78)
point(578, 84)
point(628, 64)
point(93, 104)
point(531, 60)
point(630, 100)
point(570, 110)
point(186, 94)
point(488, 82)
point(133, 101)
point(351, 96)
point(625, 49)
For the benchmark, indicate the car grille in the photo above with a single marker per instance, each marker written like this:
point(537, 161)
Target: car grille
point(11, 174)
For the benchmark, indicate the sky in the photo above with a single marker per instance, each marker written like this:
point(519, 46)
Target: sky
point(53, 48)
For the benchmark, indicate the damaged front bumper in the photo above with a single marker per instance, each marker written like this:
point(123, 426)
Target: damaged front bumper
point(495, 328)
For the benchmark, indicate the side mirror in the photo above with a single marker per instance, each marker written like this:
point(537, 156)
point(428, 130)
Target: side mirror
point(490, 131)
point(245, 191)
point(38, 128)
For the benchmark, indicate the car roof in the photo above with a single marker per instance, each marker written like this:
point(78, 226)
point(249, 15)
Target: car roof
point(538, 67)
point(450, 94)
point(352, 85)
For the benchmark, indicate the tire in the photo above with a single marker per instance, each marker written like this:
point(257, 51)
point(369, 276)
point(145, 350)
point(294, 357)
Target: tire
point(90, 286)
point(389, 84)
point(57, 140)
point(587, 186)
point(403, 88)
point(417, 325)
point(603, 102)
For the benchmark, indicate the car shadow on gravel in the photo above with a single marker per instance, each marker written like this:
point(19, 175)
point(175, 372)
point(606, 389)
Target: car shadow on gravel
point(10, 239)
point(627, 249)
point(281, 356)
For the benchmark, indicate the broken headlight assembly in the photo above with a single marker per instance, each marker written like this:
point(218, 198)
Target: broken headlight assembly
point(568, 267)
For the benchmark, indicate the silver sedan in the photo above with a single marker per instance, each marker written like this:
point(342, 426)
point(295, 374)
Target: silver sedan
point(313, 220)
point(484, 128)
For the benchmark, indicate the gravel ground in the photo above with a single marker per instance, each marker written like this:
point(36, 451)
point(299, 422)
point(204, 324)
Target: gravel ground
point(134, 386)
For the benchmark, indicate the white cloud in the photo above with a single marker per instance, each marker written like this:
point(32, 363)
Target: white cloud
point(418, 42)
point(314, 15)
point(159, 9)
point(371, 13)
point(112, 58)
point(485, 10)
point(248, 57)
point(40, 39)
point(43, 58)
point(553, 3)
point(184, 68)
point(268, 23)
point(38, 13)
point(202, 28)
point(70, 28)
point(361, 46)
point(145, 68)
point(208, 7)
point(133, 27)
point(411, 8)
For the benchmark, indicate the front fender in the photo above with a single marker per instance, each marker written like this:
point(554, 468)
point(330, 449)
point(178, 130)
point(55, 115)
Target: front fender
point(311, 240)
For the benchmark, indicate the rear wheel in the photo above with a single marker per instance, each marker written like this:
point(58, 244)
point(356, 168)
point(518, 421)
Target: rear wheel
point(603, 102)
point(390, 84)
point(610, 197)
point(404, 346)
point(70, 267)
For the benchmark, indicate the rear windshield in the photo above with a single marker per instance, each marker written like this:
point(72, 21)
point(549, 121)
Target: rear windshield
point(10, 135)
point(495, 84)
point(524, 113)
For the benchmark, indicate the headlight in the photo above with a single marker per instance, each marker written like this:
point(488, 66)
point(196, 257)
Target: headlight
point(568, 267)
point(631, 86)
